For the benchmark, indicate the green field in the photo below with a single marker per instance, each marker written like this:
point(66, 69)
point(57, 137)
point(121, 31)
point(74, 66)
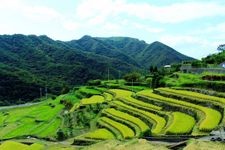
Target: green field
point(102, 134)
point(181, 124)
point(90, 115)
point(211, 117)
point(92, 100)
point(41, 120)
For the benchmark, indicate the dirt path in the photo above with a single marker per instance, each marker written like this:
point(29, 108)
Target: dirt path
point(18, 106)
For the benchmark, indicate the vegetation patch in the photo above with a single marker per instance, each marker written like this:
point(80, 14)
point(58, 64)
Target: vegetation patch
point(101, 134)
point(181, 124)
point(124, 130)
point(92, 100)
point(157, 121)
point(212, 117)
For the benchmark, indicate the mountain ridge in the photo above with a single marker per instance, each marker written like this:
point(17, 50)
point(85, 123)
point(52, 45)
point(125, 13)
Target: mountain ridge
point(31, 62)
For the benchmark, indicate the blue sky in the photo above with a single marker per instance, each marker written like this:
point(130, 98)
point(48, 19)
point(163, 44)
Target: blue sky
point(193, 27)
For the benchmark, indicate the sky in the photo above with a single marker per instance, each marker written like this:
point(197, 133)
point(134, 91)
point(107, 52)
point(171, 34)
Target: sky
point(192, 27)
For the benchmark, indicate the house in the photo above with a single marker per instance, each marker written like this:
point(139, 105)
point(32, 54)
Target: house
point(167, 66)
point(222, 65)
point(186, 68)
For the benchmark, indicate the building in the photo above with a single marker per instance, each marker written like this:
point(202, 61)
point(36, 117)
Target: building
point(222, 65)
point(187, 68)
point(167, 66)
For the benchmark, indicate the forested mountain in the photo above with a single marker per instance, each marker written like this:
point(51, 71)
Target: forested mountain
point(29, 63)
point(156, 53)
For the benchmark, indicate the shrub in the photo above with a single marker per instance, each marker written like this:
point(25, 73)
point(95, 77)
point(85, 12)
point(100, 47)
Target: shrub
point(94, 82)
point(132, 77)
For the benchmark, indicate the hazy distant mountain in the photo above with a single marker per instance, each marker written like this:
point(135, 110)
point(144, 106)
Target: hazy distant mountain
point(28, 63)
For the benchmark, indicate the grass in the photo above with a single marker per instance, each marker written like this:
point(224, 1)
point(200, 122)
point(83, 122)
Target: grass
point(71, 98)
point(50, 129)
point(35, 145)
point(180, 79)
point(181, 124)
point(208, 123)
point(134, 144)
point(157, 121)
point(92, 100)
point(89, 91)
point(101, 134)
point(31, 119)
point(204, 145)
point(125, 131)
point(11, 145)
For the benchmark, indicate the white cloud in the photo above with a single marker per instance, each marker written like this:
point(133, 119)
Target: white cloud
point(178, 40)
point(148, 28)
point(194, 46)
point(35, 13)
point(112, 27)
point(97, 20)
point(71, 26)
point(219, 28)
point(175, 40)
point(89, 8)
point(174, 13)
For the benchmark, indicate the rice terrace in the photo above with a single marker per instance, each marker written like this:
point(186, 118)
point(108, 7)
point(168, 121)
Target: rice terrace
point(73, 78)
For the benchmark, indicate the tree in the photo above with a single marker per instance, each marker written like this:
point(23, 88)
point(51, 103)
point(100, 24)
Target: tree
point(132, 77)
point(153, 69)
point(65, 89)
point(221, 47)
point(155, 80)
point(60, 135)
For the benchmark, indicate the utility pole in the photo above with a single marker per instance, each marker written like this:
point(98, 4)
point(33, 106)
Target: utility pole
point(119, 74)
point(40, 92)
point(222, 133)
point(132, 85)
point(108, 74)
point(46, 92)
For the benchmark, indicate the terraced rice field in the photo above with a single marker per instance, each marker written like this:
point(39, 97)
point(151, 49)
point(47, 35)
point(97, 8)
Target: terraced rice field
point(125, 131)
point(194, 95)
point(11, 145)
point(41, 120)
point(123, 114)
point(182, 124)
point(92, 100)
point(102, 134)
point(131, 116)
point(211, 117)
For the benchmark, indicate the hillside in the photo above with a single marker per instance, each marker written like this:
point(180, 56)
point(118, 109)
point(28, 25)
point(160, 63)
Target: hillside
point(114, 115)
point(156, 53)
point(30, 63)
point(215, 58)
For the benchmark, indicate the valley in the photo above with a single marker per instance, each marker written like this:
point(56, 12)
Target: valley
point(108, 93)
point(111, 111)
